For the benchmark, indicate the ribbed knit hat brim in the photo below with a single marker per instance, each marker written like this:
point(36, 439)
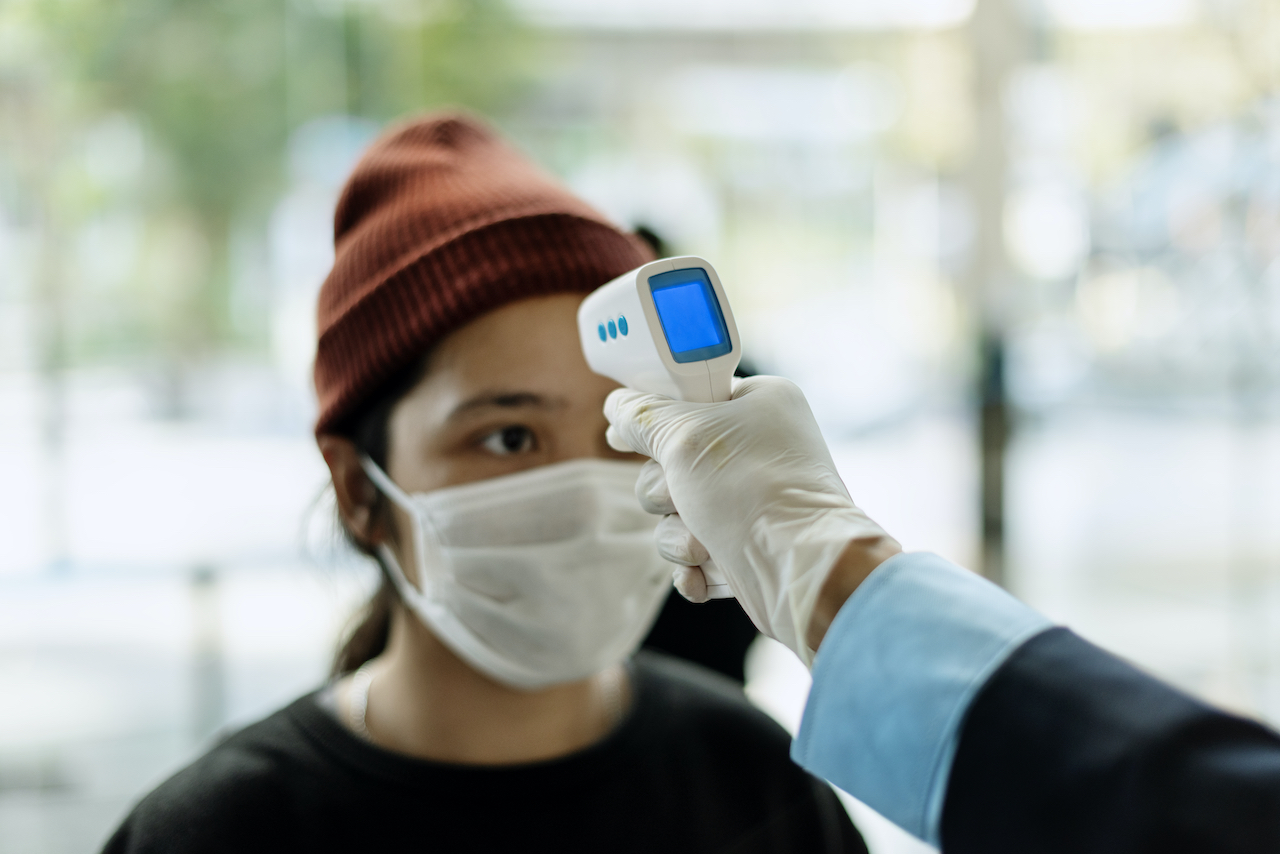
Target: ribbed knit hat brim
point(441, 222)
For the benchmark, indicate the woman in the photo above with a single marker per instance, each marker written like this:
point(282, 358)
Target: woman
point(488, 701)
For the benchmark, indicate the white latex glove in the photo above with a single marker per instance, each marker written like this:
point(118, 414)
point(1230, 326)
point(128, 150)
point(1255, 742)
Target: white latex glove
point(755, 489)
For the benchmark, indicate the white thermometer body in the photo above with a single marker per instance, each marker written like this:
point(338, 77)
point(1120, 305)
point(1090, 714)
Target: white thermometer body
point(665, 328)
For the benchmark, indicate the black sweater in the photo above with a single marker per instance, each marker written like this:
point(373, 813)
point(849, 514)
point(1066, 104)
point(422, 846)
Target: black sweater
point(693, 768)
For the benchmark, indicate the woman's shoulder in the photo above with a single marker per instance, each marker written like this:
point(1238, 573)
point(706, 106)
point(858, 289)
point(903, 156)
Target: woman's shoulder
point(733, 761)
point(232, 797)
point(675, 680)
point(695, 702)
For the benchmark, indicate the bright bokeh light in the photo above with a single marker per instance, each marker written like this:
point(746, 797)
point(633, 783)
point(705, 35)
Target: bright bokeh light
point(1132, 14)
point(749, 14)
point(1127, 306)
point(1047, 230)
point(785, 105)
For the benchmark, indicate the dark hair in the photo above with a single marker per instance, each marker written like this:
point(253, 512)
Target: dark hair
point(371, 625)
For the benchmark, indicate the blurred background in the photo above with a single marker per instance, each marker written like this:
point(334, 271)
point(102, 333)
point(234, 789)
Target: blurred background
point(1022, 255)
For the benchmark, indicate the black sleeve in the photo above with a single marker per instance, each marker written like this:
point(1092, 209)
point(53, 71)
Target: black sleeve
point(733, 762)
point(1069, 749)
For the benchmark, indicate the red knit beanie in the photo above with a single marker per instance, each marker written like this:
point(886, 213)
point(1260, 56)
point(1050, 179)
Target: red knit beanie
point(441, 222)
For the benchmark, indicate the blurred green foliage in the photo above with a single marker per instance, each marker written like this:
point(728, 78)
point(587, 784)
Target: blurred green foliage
point(217, 89)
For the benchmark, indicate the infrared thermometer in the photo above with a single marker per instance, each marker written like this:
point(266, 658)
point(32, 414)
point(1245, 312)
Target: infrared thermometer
point(665, 328)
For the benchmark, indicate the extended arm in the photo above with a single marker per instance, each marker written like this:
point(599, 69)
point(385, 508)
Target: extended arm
point(938, 699)
point(957, 712)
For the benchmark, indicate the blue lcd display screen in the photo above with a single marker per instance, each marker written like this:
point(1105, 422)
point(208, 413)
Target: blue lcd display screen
point(690, 315)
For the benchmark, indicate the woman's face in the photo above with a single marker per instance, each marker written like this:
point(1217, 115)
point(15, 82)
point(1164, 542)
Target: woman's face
point(508, 391)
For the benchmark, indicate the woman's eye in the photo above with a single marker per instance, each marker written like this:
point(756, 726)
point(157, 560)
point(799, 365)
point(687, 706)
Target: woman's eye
point(509, 440)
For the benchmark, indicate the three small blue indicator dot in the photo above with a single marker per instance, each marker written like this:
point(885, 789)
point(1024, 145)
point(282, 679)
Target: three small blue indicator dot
point(613, 329)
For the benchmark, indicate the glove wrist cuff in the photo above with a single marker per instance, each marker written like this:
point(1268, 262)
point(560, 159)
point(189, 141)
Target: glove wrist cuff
point(801, 554)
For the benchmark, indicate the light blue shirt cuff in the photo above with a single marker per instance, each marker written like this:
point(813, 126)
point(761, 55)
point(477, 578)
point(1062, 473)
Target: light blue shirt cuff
point(894, 678)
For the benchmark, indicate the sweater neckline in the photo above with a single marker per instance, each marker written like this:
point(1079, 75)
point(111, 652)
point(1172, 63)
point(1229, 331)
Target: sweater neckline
point(320, 725)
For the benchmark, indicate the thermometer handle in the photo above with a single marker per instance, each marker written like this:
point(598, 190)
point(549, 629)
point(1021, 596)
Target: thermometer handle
point(721, 387)
point(717, 584)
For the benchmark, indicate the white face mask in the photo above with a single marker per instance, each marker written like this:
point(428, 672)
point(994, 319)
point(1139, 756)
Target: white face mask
point(544, 576)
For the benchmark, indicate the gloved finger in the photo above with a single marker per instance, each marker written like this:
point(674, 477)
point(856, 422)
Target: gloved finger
point(691, 583)
point(615, 441)
point(764, 384)
point(652, 490)
point(676, 544)
point(634, 417)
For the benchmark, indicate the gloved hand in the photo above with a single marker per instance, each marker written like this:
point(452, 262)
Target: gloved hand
point(755, 489)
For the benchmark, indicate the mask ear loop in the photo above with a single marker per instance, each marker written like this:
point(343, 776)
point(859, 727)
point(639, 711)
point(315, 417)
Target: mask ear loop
point(391, 489)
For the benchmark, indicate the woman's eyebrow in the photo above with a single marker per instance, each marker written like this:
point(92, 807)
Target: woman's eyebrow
point(506, 400)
